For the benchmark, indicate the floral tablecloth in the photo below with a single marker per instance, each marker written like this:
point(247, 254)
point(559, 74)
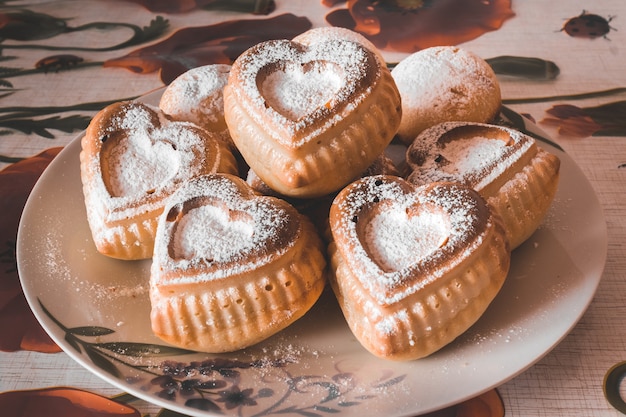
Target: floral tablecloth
point(561, 64)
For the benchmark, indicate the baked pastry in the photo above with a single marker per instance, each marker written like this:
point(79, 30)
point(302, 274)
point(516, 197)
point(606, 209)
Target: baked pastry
point(231, 267)
point(197, 96)
point(310, 118)
point(326, 33)
point(316, 209)
point(381, 165)
point(414, 267)
point(517, 177)
point(132, 159)
point(445, 84)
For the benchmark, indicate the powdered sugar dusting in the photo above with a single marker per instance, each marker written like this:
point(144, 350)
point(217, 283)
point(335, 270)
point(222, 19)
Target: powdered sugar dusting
point(444, 83)
point(138, 164)
point(431, 76)
point(462, 158)
point(103, 288)
point(471, 153)
point(211, 221)
point(354, 67)
point(298, 90)
point(196, 95)
point(221, 236)
point(150, 157)
point(144, 154)
point(134, 157)
point(326, 33)
point(466, 222)
point(134, 118)
point(395, 239)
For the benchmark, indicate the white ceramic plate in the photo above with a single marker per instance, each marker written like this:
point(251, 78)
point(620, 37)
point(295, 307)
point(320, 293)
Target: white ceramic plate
point(97, 310)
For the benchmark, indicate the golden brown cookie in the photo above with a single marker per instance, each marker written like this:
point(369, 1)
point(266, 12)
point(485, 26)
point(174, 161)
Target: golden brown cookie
point(445, 84)
point(414, 267)
point(310, 118)
point(132, 159)
point(517, 177)
point(231, 267)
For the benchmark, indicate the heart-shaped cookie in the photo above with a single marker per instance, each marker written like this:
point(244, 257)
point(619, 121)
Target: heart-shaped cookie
point(132, 159)
point(231, 267)
point(414, 267)
point(310, 118)
point(506, 166)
